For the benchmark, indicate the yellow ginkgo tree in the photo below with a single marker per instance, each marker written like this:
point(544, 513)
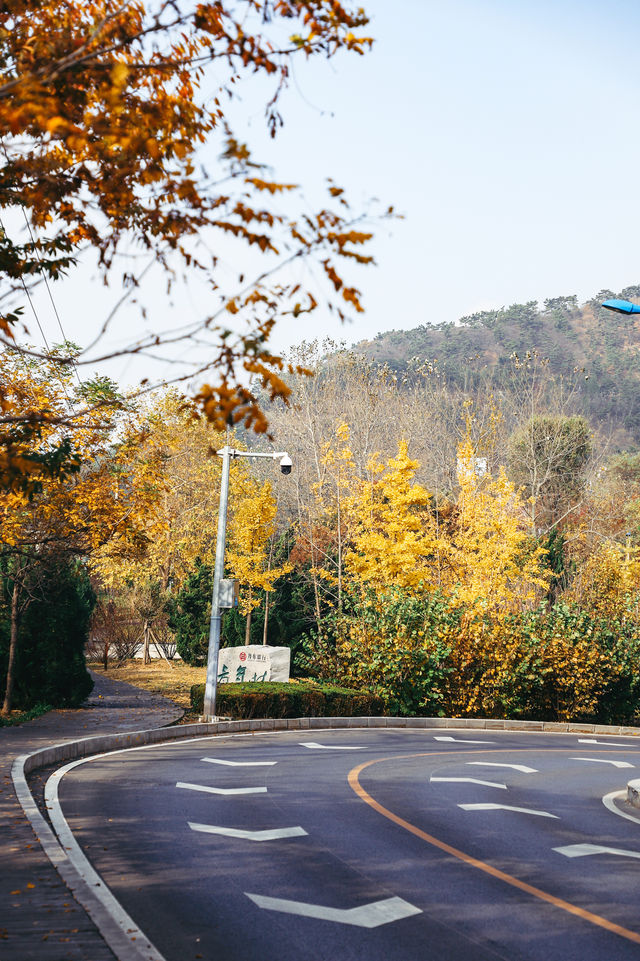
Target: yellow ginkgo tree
point(250, 552)
point(492, 560)
point(395, 541)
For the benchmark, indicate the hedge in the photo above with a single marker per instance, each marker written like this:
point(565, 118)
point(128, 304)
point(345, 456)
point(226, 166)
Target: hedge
point(270, 699)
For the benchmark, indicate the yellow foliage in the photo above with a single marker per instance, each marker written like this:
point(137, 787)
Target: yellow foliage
point(248, 555)
point(395, 541)
point(492, 562)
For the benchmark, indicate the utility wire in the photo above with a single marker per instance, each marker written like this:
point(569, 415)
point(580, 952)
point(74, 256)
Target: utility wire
point(46, 282)
point(35, 314)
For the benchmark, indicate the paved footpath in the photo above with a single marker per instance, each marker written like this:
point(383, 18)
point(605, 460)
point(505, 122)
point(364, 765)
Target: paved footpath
point(39, 918)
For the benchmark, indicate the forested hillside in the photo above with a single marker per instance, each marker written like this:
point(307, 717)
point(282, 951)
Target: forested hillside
point(599, 351)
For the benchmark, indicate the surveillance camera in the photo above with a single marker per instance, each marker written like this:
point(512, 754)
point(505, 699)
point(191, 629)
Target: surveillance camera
point(285, 464)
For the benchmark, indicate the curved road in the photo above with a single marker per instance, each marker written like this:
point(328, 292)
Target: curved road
point(388, 844)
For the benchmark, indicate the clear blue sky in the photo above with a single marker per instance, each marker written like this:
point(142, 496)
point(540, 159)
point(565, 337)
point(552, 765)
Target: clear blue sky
point(506, 132)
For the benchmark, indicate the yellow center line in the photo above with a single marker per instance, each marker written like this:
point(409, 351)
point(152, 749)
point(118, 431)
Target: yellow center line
point(354, 783)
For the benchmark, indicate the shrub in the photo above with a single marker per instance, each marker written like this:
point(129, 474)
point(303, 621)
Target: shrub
point(394, 644)
point(269, 699)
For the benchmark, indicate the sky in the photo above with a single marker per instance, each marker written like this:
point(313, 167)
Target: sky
point(507, 135)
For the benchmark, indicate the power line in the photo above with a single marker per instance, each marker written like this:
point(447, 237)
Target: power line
point(46, 282)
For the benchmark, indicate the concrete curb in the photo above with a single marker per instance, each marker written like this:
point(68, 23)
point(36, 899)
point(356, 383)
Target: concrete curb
point(633, 792)
point(112, 933)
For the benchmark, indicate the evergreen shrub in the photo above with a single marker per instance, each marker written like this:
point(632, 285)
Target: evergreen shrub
point(50, 664)
point(271, 699)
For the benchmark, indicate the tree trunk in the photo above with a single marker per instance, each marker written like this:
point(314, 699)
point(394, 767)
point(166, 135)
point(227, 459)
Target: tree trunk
point(147, 657)
point(266, 618)
point(247, 629)
point(13, 645)
point(105, 654)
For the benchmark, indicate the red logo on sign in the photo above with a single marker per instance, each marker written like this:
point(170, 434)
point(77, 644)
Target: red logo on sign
point(242, 656)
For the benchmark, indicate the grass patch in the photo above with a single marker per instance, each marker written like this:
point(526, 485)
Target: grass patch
point(174, 682)
point(19, 717)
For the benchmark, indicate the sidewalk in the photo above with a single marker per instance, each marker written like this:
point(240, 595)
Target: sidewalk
point(39, 919)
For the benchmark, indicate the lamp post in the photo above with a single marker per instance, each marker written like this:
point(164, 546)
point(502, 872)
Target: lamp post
point(227, 454)
point(621, 306)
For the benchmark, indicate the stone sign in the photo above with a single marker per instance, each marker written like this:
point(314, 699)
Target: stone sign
point(253, 662)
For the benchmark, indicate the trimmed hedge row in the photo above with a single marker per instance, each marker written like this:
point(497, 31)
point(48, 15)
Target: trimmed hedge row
point(270, 699)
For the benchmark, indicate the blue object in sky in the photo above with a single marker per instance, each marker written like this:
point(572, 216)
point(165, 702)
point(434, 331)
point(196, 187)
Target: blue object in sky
point(621, 306)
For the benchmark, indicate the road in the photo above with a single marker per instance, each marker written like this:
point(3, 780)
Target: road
point(367, 844)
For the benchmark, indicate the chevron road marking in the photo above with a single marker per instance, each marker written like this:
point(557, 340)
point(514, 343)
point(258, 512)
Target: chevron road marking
point(461, 740)
point(329, 747)
point(468, 780)
point(222, 790)
point(601, 760)
point(516, 767)
point(367, 916)
point(592, 740)
point(505, 807)
point(215, 760)
point(271, 835)
point(584, 850)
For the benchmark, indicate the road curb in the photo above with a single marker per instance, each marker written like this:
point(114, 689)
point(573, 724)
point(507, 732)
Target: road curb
point(124, 948)
point(633, 792)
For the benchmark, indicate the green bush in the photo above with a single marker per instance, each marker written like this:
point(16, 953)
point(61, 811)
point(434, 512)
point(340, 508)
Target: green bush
point(270, 699)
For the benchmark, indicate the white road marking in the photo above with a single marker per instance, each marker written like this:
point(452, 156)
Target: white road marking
point(367, 916)
point(584, 850)
point(127, 940)
point(222, 790)
point(270, 835)
point(215, 760)
point(468, 780)
point(592, 740)
point(505, 807)
point(462, 740)
point(329, 747)
point(602, 760)
point(516, 767)
point(609, 801)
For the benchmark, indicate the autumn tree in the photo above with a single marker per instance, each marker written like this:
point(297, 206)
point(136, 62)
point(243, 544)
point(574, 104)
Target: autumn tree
point(394, 541)
point(250, 553)
point(548, 458)
point(65, 516)
point(493, 561)
point(107, 115)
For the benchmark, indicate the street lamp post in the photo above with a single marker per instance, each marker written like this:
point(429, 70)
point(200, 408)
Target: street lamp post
point(227, 454)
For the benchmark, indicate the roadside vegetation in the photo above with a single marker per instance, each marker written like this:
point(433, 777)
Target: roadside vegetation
point(451, 557)
point(461, 530)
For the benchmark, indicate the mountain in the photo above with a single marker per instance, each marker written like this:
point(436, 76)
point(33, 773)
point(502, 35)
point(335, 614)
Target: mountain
point(480, 349)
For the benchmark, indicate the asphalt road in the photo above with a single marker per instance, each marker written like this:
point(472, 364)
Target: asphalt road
point(377, 845)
